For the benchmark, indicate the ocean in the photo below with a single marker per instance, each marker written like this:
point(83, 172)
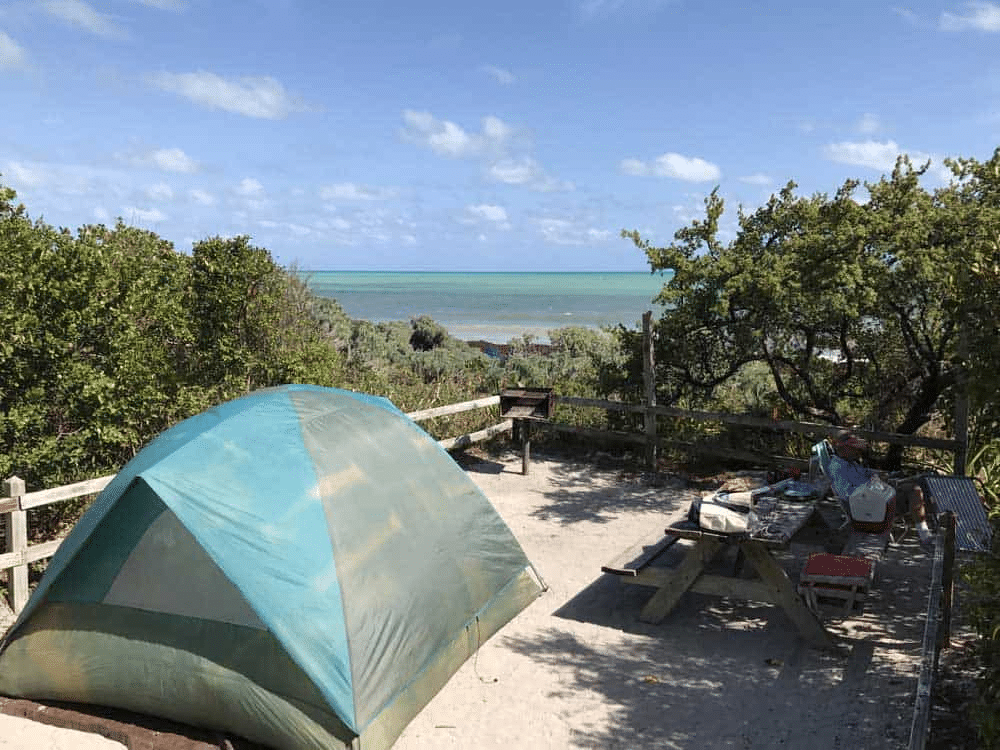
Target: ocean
point(494, 307)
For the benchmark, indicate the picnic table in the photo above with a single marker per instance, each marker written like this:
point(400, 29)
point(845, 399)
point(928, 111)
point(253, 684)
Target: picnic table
point(774, 526)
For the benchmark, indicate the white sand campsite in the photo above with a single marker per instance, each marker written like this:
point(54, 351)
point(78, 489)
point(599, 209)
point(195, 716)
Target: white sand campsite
point(577, 668)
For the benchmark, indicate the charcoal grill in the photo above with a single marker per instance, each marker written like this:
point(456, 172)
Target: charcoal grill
point(527, 403)
point(524, 406)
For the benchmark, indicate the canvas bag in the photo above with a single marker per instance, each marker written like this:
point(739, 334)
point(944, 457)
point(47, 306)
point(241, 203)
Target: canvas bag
point(725, 512)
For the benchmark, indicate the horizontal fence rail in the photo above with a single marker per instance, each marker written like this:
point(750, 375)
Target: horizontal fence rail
point(17, 554)
point(744, 420)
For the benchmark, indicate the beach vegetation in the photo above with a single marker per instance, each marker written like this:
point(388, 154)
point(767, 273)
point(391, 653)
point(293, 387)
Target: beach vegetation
point(111, 336)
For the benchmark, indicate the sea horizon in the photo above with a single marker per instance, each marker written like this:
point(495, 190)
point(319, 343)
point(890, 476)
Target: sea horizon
point(494, 306)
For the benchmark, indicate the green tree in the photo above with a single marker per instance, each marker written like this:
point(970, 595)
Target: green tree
point(845, 302)
point(254, 326)
point(50, 354)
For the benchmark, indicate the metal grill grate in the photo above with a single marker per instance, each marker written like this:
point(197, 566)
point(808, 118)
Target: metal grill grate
point(958, 494)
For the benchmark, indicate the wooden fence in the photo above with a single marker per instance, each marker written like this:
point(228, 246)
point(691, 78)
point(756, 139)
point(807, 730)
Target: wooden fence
point(653, 439)
point(15, 502)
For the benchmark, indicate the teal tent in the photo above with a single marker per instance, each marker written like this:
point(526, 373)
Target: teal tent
point(303, 567)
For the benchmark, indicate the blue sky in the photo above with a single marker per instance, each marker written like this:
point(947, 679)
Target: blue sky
point(474, 136)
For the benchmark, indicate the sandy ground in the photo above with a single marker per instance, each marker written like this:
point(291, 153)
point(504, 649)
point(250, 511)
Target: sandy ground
point(25, 734)
point(577, 669)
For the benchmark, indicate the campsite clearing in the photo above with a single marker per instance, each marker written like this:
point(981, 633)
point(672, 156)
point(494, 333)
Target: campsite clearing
point(578, 669)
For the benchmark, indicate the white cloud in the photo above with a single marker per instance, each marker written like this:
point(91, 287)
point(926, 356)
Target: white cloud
point(757, 179)
point(869, 123)
point(173, 160)
point(202, 197)
point(486, 212)
point(250, 188)
point(23, 176)
point(872, 154)
point(497, 145)
point(160, 192)
point(352, 191)
point(81, 14)
point(150, 215)
point(514, 172)
point(448, 139)
point(260, 96)
point(297, 230)
point(564, 232)
point(12, 56)
point(978, 16)
point(500, 75)
point(66, 179)
point(883, 156)
point(689, 168)
point(527, 172)
point(165, 159)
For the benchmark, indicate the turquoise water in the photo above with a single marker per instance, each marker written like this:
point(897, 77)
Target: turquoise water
point(493, 306)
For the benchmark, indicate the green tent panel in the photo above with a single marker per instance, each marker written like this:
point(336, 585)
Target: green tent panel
point(303, 567)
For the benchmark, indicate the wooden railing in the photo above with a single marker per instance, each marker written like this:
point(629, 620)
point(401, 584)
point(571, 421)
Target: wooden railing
point(650, 433)
point(937, 629)
point(15, 502)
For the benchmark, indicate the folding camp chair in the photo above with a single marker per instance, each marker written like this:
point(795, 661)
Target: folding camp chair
point(820, 457)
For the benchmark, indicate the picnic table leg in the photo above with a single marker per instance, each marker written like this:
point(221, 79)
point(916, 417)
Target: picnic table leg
point(692, 566)
point(776, 579)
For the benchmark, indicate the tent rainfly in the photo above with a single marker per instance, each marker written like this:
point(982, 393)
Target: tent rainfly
point(303, 567)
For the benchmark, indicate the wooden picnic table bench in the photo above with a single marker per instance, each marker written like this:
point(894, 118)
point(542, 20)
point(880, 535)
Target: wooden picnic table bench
point(775, 531)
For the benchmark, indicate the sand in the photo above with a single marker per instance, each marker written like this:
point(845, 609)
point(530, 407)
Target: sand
point(577, 669)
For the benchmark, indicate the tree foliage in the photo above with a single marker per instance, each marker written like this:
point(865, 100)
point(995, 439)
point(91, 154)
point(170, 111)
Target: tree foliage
point(111, 336)
point(853, 302)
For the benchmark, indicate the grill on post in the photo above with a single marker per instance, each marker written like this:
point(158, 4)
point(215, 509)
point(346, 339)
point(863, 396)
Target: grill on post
point(525, 405)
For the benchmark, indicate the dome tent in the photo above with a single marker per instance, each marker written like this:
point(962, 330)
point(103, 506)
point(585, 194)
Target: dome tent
point(303, 567)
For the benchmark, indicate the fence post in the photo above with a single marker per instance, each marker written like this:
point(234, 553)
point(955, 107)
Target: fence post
point(525, 445)
point(962, 391)
point(17, 541)
point(649, 381)
point(947, 522)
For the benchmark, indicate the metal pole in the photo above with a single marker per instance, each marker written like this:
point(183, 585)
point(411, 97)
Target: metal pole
point(649, 381)
point(525, 445)
point(962, 381)
point(947, 522)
